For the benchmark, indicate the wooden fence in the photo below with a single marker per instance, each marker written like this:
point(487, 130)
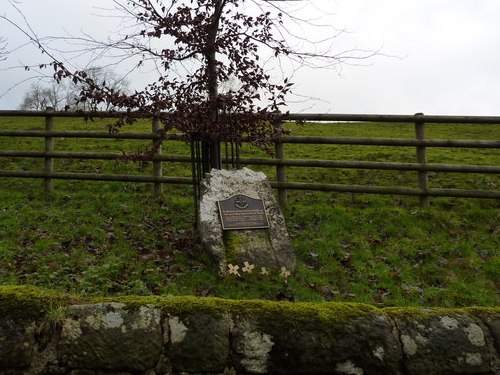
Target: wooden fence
point(421, 166)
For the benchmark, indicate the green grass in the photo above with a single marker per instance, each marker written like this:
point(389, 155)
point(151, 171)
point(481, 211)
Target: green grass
point(101, 239)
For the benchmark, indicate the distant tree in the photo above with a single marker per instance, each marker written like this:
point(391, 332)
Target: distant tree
point(39, 97)
point(67, 95)
point(75, 91)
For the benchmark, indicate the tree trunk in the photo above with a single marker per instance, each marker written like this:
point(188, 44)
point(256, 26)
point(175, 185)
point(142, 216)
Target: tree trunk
point(211, 149)
point(213, 152)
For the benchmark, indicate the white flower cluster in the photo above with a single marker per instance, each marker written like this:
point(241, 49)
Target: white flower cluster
point(248, 268)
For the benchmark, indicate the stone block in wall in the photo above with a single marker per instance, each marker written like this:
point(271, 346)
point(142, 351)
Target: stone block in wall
point(315, 346)
point(17, 341)
point(454, 344)
point(199, 343)
point(108, 337)
point(189, 336)
point(493, 324)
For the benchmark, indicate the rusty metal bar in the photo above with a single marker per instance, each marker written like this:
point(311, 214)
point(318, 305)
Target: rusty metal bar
point(287, 185)
point(392, 142)
point(422, 177)
point(334, 117)
point(312, 163)
point(49, 148)
point(97, 177)
point(279, 154)
point(394, 166)
point(293, 139)
point(391, 118)
point(157, 166)
point(85, 134)
point(388, 190)
point(89, 156)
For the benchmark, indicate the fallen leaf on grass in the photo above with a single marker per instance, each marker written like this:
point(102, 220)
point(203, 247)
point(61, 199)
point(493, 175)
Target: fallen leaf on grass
point(410, 288)
point(203, 292)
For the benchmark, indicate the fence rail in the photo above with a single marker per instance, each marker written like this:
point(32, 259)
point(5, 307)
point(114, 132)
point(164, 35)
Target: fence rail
point(420, 143)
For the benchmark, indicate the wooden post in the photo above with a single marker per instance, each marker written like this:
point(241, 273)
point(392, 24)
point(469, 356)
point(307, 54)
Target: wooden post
point(157, 166)
point(423, 178)
point(49, 147)
point(280, 169)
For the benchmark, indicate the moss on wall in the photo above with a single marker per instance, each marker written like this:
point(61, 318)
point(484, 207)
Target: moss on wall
point(211, 335)
point(24, 301)
point(33, 301)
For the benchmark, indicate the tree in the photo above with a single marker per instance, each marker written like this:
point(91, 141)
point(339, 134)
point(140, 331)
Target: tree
point(96, 74)
point(195, 45)
point(39, 97)
point(67, 95)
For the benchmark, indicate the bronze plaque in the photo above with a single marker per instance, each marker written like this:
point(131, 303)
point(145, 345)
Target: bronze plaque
point(242, 212)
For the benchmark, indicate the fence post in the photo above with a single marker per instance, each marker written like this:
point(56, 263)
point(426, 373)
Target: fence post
point(423, 178)
point(49, 147)
point(157, 166)
point(279, 153)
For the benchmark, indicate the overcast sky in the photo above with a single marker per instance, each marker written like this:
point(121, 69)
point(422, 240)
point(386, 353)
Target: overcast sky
point(443, 56)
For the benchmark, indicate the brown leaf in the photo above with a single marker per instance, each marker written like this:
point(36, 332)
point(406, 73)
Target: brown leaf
point(203, 292)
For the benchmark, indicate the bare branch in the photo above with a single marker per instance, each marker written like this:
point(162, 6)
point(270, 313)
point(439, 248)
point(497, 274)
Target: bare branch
point(193, 47)
point(3, 49)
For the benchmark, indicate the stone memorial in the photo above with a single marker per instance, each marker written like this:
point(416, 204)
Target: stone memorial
point(241, 224)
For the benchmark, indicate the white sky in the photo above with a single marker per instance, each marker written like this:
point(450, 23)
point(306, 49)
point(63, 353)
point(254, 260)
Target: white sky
point(447, 55)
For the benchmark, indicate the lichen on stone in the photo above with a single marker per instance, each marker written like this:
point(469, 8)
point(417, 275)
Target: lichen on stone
point(348, 368)
point(177, 330)
point(449, 323)
point(255, 348)
point(410, 347)
point(475, 335)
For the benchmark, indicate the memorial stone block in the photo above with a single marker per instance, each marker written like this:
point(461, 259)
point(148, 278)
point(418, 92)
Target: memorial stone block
point(240, 222)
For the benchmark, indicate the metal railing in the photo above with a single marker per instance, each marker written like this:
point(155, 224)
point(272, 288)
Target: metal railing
point(420, 166)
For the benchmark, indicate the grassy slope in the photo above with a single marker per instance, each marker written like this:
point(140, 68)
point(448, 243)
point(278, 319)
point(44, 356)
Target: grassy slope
point(97, 238)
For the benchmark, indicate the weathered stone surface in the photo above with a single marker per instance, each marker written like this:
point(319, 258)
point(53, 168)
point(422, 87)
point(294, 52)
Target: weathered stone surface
point(493, 324)
point(106, 336)
point(199, 343)
point(253, 246)
point(251, 347)
point(17, 342)
point(445, 345)
point(363, 346)
point(82, 372)
point(270, 248)
point(189, 336)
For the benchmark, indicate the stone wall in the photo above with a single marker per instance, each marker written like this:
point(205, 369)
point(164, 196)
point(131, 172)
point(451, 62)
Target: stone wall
point(47, 333)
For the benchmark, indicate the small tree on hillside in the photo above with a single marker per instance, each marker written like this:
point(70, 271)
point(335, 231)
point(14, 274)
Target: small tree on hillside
point(195, 45)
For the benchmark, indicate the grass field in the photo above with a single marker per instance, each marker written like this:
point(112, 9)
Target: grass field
point(102, 238)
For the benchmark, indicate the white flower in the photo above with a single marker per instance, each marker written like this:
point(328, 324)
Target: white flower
point(248, 267)
point(284, 272)
point(233, 270)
